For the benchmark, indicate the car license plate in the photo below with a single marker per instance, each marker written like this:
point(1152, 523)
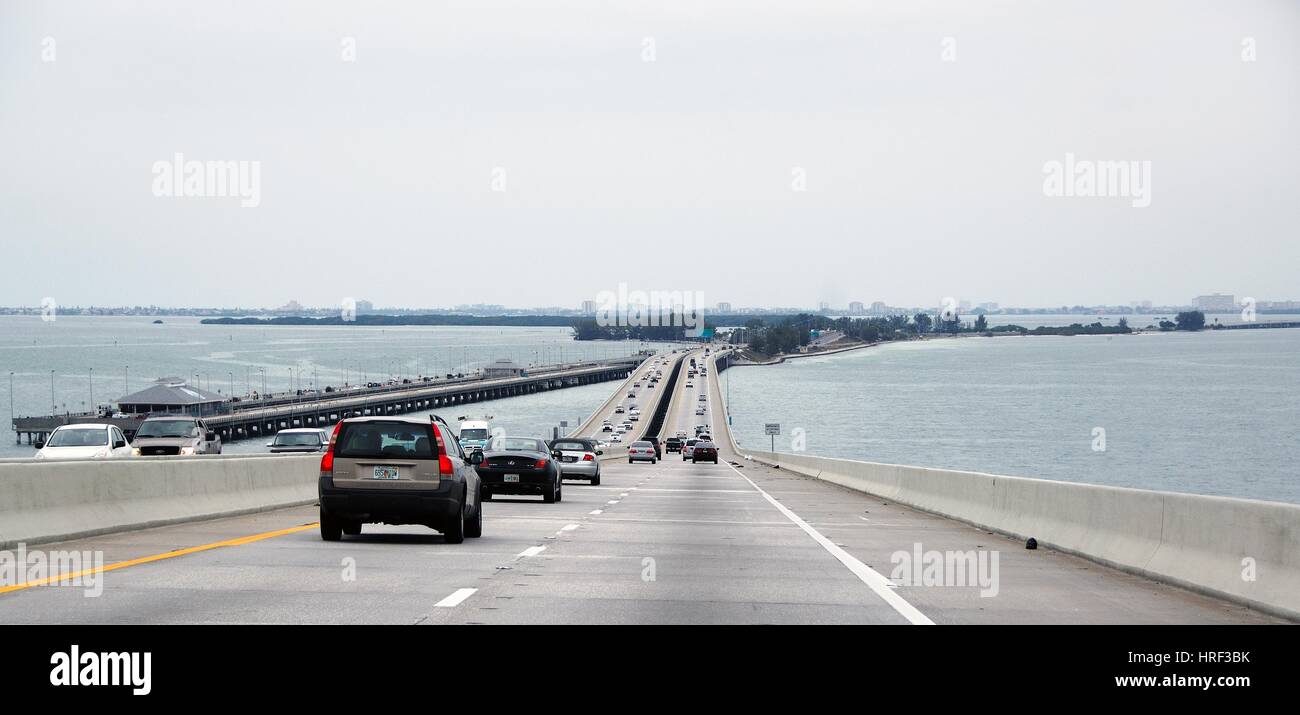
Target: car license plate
point(570, 459)
point(512, 477)
point(386, 473)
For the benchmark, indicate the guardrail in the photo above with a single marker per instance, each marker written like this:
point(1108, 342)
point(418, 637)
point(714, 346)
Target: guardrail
point(60, 500)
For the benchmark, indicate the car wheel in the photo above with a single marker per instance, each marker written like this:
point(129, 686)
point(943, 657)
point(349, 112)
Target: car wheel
point(559, 491)
point(352, 528)
point(474, 527)
point(487, 496)
point(629, 460)
point(454, 531)
point(331, 528)
point(654, 461)
point(595, 481)
point(549, 496)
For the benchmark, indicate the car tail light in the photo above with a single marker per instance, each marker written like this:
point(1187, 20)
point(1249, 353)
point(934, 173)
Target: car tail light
point(587, 458)
point(540, 464)
point(445, 470)
point(327, 459)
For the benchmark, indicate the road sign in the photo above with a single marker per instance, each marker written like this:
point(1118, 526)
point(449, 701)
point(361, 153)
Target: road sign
point(772, 428)
point(564, 423)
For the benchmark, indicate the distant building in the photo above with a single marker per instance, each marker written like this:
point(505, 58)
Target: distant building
point(823, 306)
point(723, 309)
point(856, 308)
point(588, 307)
point(989, 307)
point(292, 306)
point(1217, 303)
point(504, 367)
point(879, 308)
point(171, 395)
point(365, 306)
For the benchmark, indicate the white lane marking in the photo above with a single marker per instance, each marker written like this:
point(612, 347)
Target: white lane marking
point(623, 494)
point(455, 598)
point(531, 551)
point(569, 527)
point(596, 511)
point(612, 501)
point(879, 585)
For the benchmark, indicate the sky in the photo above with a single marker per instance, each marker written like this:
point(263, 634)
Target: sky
point(429, 154)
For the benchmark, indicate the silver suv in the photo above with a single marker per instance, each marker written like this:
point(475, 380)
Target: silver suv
point(174, 436)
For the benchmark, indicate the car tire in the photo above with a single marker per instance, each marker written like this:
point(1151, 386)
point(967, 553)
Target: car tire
point(474, 527)
point(559, 491)
point(654, 461)
point(595, 481)
point(331, 528)
point(487, 496)
point(352, 528)
point(549, 496)
point(629, 460)
point(454, 530)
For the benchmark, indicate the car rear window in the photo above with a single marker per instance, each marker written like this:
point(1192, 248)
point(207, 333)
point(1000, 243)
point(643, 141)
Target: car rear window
point(642, 444)
point(398, 440)
point(571, 446)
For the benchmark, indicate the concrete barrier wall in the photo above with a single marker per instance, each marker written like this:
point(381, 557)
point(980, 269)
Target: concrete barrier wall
point(1202, 543)
point(55, 501)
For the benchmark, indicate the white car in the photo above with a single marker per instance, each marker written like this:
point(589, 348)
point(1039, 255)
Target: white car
point(86, 441)
point(699, 410)
point(618, 437)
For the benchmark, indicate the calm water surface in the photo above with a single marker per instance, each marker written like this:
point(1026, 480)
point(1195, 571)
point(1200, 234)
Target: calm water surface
point(1209, 413)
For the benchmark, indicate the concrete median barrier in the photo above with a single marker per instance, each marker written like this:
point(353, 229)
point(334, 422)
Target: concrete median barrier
point(1241, 550)
point(56, 501)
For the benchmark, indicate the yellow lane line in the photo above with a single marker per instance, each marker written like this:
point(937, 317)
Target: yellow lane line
point(158, 557)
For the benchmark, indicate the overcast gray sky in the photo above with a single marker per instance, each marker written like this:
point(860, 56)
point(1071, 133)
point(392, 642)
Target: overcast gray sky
point(918, 130)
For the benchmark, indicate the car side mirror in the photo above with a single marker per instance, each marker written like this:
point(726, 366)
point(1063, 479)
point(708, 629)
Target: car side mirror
point(557, 454)
point(599, 452)
point(476, 458)
point(40, 444)
point(119, 444)
point(210, 436)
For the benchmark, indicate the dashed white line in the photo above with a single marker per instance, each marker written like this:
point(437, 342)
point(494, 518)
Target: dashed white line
point(879, 585)
point(612, 501)
point(455, 598)
point(531, 551)
point(594, 512)
point(569, 527)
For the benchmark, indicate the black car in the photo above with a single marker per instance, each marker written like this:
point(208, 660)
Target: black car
point(519, 465)
point(659, 450)
point(704, 452)
point(673, 444)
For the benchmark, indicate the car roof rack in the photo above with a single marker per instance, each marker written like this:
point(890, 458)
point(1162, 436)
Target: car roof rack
point(436, 418)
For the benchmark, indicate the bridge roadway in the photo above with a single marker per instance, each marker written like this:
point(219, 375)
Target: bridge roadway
point(672, 542)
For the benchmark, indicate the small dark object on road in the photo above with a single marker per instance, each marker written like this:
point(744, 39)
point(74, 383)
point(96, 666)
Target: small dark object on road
point(1031, 544)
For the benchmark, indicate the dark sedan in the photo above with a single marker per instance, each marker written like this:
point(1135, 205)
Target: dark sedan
point(519, 465)
point(704, 452)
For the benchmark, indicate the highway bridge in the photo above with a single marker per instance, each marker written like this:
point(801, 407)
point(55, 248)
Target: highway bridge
point(261, 418)
point(743, 541)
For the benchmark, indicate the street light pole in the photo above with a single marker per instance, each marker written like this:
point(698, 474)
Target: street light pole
point(54, 406)
point(92, 391)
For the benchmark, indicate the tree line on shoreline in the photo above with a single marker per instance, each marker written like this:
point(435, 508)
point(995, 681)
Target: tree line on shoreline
point(793, 333)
